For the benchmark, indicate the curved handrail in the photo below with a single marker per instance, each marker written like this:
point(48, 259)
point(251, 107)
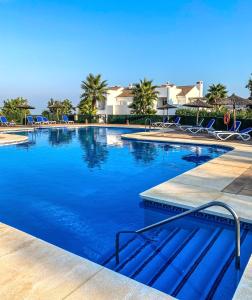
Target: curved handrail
point(183, 214)
point(145, 123)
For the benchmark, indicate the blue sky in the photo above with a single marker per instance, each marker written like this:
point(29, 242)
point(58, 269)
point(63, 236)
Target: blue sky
point(48, 47)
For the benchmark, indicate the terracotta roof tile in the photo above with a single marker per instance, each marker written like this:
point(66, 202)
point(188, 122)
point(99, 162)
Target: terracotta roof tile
point(185, 89)
point(126, 93)
point(114, 88)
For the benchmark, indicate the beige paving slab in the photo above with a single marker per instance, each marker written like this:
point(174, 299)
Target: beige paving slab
point(10, 139)
point(205, 182)
point(232, 160)
point(97, 288)
point(32, 269)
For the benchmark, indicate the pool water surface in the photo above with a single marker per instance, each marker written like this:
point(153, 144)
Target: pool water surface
point(76, 188)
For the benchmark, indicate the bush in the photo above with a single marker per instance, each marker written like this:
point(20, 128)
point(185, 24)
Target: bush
point(241, 114)
point(132, 119)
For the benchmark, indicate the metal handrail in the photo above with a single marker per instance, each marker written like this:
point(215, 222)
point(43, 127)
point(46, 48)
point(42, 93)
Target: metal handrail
point(145, 123)
point(183, 214)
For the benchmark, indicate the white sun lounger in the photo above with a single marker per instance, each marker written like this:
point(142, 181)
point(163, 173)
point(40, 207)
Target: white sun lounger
point(197, 129)
point(243, 134)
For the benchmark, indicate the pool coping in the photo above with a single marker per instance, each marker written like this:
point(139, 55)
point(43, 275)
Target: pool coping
point(209, 178)
point(12, 139)
point(46, 270)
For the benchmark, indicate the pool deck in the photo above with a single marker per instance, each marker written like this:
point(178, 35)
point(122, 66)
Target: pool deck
point(34, 269)
point(10, 139)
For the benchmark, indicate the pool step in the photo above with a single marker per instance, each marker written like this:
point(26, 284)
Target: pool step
point(185, 263)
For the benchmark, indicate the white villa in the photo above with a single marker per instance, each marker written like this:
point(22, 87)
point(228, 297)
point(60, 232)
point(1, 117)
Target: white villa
point(119, 98)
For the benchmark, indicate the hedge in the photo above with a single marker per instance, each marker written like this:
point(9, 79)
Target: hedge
point(140, 119)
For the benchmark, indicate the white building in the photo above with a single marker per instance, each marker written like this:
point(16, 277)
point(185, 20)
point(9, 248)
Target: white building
point(119, 98)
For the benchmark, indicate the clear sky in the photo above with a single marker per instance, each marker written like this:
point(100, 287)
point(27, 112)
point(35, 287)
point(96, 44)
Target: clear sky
point(47, 47)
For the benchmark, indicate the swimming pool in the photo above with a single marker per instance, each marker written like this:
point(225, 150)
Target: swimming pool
point(76, 188)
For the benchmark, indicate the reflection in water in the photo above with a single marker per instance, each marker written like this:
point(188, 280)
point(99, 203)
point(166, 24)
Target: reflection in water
point(196, 157)
point(60, 136)
point(27, 145)
point(30, 143)
point(144, 152)
point(93, 142)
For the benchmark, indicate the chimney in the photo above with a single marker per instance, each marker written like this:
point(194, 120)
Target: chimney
point(199, 85)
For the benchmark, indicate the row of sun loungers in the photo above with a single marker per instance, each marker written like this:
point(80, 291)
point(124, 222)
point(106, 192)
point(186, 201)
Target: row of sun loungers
point(39, 120)
point(223, 135)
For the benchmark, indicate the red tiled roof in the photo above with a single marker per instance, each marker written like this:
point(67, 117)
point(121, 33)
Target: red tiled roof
point(185, 89)
point(126, 93)
point(114, 88)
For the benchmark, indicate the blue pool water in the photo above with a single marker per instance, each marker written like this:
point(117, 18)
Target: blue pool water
point(76, 188)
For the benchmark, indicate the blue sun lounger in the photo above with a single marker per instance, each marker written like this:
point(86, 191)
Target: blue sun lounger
point(185, 127)
point(66, 120)
point(175, 123)
point(5, 122)
point(159, 124)
point(197, 129)
point(225, 134)
point(30, 121)
point(244, 134)
point(40, 120)
point(46, 121)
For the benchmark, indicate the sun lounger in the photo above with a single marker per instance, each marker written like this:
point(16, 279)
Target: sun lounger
point(185, 127)
point(66, 120)
point(159, 124)
point(197, 129)
point(175, 123)
point(244, 134)
point(40, 120)
point(232, 129)
point(5, 122)
point(46, 121)
point(30, 121)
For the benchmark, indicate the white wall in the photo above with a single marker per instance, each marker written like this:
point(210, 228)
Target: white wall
point(119, 105)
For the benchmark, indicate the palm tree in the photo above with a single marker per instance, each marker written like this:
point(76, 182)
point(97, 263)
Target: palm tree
point(11, 111)
point(67, 106)
point(144, 95)
point(57, 107)
point(249, 87)
point(94, 90)
point(215, 92)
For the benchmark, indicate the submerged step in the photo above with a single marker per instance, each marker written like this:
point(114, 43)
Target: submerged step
point(130, 248)
point(198, 284)
point(173, 272)
point(151, 248)
point(153, 265)
point(227, 285)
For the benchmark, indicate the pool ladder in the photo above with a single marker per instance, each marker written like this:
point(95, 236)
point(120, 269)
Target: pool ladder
point(186, 213)
point(146, 123)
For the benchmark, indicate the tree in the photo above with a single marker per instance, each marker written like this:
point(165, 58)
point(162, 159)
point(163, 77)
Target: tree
point(215, 92)
point(58, 107)
point(94, 90)
point(86, 108)
point(249, 87)
point(11, 111)
point(144, 95)
point(67, 107)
